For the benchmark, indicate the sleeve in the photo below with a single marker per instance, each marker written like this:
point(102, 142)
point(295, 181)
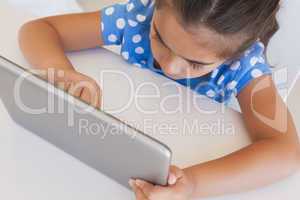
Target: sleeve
point(250, 66)
point(259, 68)
point(113, 22)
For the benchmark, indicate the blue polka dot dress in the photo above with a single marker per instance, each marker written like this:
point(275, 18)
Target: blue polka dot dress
point(128, 24)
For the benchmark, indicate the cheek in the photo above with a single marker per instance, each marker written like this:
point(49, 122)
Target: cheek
point(160, 53)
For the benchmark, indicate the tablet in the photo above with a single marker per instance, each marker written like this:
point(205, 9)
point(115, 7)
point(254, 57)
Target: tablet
point(94, 137)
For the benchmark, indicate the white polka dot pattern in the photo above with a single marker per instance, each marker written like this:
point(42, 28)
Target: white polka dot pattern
point(235, 66)
point(256, 73)
point(109, 11)
point(136, 38)
point(232, 85)
point(121, 23)
point(145, 2)
point(261, 45)
point(215, 73)
point(112, 38)
point(261, 59)
point(128, 24)
point(132, 23)
point(247, 52)
point(130, 7)
point(221, 79)
point(139, 50)
point(211, 93)
point(253, 60)
point(141, 18)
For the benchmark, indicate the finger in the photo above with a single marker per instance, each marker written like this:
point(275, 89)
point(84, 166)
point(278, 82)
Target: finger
point(146, 187)
point(63, 85)
point(75, 90)
point(91, 99)
point(85, 96)
point(138, 192)
point(154, 191)
point(97, 98)
point(91, 94)
point(174, 175)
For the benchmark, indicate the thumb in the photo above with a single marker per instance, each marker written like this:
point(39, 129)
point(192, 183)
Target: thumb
point(146, 187)
point(175, 174)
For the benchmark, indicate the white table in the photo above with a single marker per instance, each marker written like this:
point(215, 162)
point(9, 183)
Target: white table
point(31, 168)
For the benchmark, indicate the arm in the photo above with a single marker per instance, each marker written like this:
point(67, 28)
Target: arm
point(274, 154)
point(45, 41)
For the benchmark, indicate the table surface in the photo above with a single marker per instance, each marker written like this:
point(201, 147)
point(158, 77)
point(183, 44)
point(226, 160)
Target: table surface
point(33, 169)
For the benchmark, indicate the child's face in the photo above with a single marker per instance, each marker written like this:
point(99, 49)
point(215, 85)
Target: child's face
point(179, 53)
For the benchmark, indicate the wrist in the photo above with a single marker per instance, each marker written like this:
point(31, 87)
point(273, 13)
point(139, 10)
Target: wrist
point(192, 184)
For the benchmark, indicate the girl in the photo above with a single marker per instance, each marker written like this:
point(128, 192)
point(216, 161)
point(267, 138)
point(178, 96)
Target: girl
point(216, 47)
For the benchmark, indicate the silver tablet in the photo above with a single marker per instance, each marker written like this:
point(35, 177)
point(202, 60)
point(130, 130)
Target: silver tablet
point(94, 137)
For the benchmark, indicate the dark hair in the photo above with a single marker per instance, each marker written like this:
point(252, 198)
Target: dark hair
point(249, 19)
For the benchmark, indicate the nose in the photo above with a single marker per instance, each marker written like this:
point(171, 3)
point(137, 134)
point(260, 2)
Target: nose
point(175, 67)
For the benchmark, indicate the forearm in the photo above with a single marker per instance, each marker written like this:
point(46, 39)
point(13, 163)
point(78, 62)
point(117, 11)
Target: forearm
point(254, 166)
point(42, 47)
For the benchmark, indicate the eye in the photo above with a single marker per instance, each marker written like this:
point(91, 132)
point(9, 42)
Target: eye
point(196, 66)
point(159, 38)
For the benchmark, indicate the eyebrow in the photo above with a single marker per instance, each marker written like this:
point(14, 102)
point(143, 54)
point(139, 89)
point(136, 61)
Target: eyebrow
point(189, 60)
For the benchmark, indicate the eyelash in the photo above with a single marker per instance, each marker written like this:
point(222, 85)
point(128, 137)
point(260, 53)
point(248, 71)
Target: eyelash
point(196, 66)
point(193, 65)
point(159, 39)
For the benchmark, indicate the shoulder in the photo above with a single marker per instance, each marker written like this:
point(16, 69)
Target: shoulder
point(119, 20)
point(233, 76)
point(253, 65)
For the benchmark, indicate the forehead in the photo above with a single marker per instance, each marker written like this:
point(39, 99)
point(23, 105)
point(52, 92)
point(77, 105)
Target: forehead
point(193, 43)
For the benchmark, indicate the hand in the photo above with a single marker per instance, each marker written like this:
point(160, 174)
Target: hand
point(78, 85)
point(180, 187)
